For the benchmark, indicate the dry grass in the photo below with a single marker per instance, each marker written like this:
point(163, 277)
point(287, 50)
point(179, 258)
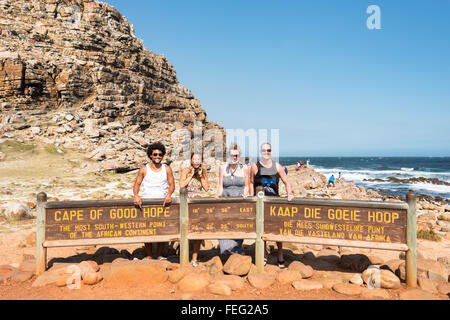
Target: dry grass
point(428, 235)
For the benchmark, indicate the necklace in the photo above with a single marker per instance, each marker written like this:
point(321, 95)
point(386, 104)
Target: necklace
point(233, 171)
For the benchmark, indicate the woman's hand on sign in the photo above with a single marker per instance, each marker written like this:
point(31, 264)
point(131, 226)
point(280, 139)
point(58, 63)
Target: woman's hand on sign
point(137, 201)
point(167, 199)
point(290, 197)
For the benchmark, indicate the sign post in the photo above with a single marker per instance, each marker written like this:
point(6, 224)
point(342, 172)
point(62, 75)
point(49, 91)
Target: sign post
point(411, 254)
point(259, 243)
point(184, 223)
point(41, 251)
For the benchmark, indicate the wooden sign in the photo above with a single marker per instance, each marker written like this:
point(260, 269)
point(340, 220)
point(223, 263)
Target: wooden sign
point(229, 217)
point(110, 221)
point(335, 222)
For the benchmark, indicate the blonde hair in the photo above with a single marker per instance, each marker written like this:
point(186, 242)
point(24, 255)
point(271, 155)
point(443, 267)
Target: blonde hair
point(234, 146)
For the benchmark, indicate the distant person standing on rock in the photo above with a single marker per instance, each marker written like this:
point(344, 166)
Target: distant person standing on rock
point(267, 173)
point(155, 178)
point(331, 181)
point(194, 178)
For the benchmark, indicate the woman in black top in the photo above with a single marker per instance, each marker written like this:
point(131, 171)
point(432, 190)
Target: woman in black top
point(267, 173)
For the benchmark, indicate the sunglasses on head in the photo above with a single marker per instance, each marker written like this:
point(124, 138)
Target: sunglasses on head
point(157, 154)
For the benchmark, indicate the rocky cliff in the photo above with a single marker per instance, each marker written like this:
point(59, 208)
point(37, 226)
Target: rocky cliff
point(73, 74)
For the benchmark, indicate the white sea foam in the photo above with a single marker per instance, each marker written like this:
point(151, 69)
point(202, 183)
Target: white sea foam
point(362, 177)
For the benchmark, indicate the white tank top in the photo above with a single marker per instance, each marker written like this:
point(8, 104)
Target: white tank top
point(155, 183)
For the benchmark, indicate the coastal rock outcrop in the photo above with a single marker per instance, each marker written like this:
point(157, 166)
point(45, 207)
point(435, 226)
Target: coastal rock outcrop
point(73, 74)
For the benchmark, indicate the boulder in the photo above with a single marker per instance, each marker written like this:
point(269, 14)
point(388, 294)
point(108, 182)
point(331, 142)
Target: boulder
point(427, 268)
point(47, 278)
point(260, 280)
point(214, 266)
point(6, 272)
point(373, 294)
point(92, 278)
point(231, 281)
point(444, 288)
point(303, 285)
point(288, 276)
point(238, 265)
point(138, 275)
point(178, 274)
point(328, 283)
point(193, 282)
point(91, 129)
point(28, 266)
point(417, 294)
point(305, 271)
point(380, 278)
point(347, 289)
point(22, 276)
point(16, 210)
point(356, 279)
point(427, 285)
point(87, 267)
point(220, 289)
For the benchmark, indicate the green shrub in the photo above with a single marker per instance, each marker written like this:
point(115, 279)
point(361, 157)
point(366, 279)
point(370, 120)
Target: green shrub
point(428, 235)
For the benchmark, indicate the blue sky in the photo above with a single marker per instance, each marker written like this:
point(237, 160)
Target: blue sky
point(312, 69)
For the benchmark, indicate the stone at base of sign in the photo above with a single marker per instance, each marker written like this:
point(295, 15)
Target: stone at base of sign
point(28, 266)
point(375, 294)
point(305, 271)
point(328, 283)
point(92, 278)
point(417, 294)
point(219, 289)
point(136, 275)
point(260, 280)
point(238, 265)
point(427, 285)
point(347, 289)
point(356, 279)
point(232, 281)
point(176, 275)
point(214, 266)
point(193, 282)
point(444, 288)
point(303, 285)
point(429, 269)
point(382, 277)
point(288, 276)
point(45, 279)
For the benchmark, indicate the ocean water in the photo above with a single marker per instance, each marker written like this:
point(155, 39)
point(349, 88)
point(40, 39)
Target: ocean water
point(391, 175)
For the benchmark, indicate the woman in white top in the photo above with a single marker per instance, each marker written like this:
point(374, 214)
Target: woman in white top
point(155, 178)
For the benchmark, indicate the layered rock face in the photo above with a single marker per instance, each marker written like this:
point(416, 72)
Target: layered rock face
point(79, 60)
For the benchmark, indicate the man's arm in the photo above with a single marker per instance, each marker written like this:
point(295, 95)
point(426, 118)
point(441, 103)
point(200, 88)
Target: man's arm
point(285, 180)
point(171, 182)
point(137, 185)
